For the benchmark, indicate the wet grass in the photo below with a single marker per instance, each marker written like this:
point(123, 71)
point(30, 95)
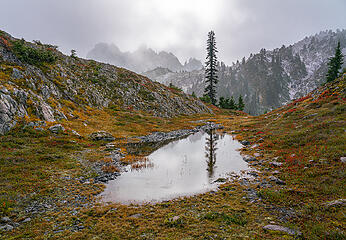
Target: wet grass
point(306, 136)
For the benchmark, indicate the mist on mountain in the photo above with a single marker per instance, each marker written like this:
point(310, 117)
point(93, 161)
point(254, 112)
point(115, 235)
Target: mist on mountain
point(267, 79)
point(141, 60)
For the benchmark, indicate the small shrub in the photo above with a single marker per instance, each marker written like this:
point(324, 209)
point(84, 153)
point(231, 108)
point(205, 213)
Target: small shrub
point(33, 56)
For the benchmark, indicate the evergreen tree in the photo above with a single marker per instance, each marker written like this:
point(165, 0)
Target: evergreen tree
point(232, 104)
point(222, 102)
point(73, 53)
point(335, 64)
point(211, 68)
point(241, 104)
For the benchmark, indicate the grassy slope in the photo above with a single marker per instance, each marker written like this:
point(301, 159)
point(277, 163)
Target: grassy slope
point(37, 166)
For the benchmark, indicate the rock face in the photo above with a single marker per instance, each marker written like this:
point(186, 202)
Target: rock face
point(52, 91)
point(270, 78)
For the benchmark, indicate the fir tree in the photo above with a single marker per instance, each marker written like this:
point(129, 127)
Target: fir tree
point(73, 53)
point(335, 64)
point(232, 104)
point(241, 104)
point(211, 68)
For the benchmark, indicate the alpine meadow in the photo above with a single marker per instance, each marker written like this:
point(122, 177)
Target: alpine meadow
point(191, 119)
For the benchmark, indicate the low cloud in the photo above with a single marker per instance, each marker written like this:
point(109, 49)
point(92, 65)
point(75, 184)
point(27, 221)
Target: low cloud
point(179, 26)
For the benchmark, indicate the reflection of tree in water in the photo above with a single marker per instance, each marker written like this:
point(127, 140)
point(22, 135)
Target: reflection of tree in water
point(210, 153)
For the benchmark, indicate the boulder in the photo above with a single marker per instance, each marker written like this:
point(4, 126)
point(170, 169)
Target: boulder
point(101, 136)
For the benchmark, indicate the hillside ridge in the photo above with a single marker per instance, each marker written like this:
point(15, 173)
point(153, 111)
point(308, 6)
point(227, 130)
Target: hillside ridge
point(37, 82)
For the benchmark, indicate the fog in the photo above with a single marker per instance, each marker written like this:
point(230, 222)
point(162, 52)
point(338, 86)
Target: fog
point(178, 26)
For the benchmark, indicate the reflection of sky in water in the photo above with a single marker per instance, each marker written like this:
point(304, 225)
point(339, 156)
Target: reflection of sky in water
point(180, 169)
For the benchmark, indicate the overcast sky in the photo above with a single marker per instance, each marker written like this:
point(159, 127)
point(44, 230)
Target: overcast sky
point(179, 26)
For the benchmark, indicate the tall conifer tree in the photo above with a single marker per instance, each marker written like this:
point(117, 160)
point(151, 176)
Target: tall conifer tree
point(335, 64)
point(241, 104)
point(211, 68)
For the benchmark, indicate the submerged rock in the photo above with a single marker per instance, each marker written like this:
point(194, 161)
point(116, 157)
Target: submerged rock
point(101, 136)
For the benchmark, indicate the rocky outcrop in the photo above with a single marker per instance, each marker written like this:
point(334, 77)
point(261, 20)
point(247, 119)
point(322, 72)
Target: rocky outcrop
point(12, 105)
point(53, 90)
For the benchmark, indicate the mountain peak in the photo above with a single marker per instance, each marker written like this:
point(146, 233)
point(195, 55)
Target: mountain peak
point(142, 60)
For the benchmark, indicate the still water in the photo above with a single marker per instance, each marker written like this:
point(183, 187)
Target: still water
point(181, 168)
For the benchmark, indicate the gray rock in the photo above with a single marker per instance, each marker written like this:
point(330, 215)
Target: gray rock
point(4, 91)
point(137, 215)
point(277, 180)
point(76, 133)
point(257, 154)
point(26, 220)
point(6, 227)
point(248, 158)
point(101, 136)
point(5, 220)
point(343, 159)
point(276, 164)
point(254, 146)
point(278, 228)
point(336, 203)
point(56, 128)
point(245, 142)
point(17, 73)
point(110, 146)
point(220, 180)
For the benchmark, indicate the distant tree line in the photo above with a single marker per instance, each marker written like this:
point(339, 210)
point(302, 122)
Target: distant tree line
point(229, 103)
